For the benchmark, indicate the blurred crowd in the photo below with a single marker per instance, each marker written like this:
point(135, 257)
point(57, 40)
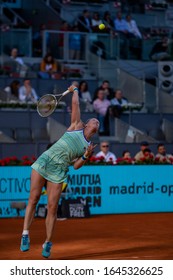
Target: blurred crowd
point(104, 101)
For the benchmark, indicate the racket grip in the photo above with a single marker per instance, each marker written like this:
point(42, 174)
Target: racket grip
point(65, 92)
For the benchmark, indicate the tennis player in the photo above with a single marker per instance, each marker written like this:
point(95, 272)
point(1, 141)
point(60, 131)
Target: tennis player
point(52, 167)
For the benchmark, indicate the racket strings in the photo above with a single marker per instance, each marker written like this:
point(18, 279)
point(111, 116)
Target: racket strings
point(46, 105)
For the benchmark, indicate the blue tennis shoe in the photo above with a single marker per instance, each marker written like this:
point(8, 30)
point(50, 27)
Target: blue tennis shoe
point(46, 249)
point(25, 243)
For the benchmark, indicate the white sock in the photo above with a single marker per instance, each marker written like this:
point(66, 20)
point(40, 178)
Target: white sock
point(25, 232)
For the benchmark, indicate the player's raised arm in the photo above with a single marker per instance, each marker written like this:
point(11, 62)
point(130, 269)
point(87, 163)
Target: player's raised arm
point(76, 122)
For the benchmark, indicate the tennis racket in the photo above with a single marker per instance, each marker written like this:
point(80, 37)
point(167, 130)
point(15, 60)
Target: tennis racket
point(47, 104)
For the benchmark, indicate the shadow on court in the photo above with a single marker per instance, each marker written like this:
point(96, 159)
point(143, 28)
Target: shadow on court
point(102, 237)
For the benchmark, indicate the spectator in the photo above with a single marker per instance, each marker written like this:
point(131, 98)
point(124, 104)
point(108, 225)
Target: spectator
point(84, 25)
point(147, 154)
point(162, 156)
point(117, 104)
point(143, 152)
point(108, 91)
point(27, 93)
point(15, 57)
point(132, 27)
point(101, 105)
point(20, 67)
point(108, 21)
point(160, 50)
point(95, 22)
point(84, 22)
point(120, 24)
point(13, 90)
point(134, 46)
point(121, 28)
point(105, 153)
point(75, 40)
point(126, 158)
point(83, 92)
point(85, 95)
point(48, 66)
point(126, 154)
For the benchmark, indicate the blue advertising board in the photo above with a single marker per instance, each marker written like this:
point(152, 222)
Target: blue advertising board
point(14, 187)
point(108, 189)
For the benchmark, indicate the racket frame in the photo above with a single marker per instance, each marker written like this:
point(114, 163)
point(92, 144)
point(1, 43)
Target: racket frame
point(55, 104)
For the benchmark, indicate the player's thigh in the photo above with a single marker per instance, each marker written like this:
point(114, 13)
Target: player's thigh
point(37, 183)
point(54, 192)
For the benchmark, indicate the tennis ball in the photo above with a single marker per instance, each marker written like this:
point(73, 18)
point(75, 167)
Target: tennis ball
point(101, 26)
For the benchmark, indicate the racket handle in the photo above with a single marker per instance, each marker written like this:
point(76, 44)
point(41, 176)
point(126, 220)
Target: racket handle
point(65, 92)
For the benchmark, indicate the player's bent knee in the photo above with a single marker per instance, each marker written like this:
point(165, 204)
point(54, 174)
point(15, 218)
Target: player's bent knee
point(34, 200)
point(52, 209)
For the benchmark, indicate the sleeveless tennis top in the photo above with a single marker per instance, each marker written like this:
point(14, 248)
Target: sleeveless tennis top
point(53, 163)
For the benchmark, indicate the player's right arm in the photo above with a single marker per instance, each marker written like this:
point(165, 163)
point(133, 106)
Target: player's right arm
point(76, 122)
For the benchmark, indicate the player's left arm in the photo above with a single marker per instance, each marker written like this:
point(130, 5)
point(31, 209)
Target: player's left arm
point(82, 160)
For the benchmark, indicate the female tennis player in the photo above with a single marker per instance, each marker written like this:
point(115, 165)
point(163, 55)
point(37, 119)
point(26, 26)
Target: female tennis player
point(52, 167)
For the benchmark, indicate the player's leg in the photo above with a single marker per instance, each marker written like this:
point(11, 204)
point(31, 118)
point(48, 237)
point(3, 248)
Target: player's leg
point(54, 192)
point(37, 182)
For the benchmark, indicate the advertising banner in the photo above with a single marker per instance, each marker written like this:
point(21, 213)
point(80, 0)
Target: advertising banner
point(15, 188)
point(107, 189)
point(124, 189)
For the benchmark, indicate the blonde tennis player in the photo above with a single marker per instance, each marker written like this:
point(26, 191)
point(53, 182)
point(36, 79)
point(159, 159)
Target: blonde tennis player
point(52, 167)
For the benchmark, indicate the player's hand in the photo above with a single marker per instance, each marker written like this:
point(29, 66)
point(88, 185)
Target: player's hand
point(71, 88)
point(90, 150)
